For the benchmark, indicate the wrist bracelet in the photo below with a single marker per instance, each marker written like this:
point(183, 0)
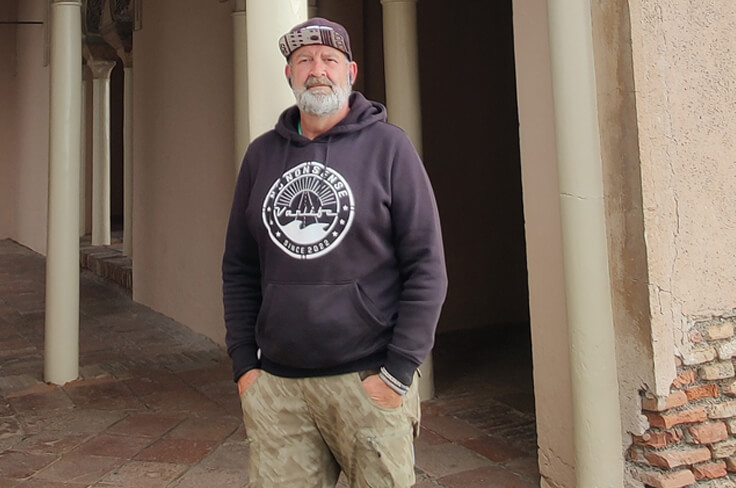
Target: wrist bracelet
point(392, 382)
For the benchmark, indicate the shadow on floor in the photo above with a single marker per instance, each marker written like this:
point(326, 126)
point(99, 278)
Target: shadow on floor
point(486, 376)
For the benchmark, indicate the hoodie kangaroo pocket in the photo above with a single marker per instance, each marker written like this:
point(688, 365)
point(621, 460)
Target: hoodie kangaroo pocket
point(318, 325)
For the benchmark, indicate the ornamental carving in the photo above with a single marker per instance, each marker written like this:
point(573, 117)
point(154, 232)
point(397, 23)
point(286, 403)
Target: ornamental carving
point(108, 26)
point(92, 16)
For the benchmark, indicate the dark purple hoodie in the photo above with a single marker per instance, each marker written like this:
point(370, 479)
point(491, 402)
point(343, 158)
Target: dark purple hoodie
point(333, 258)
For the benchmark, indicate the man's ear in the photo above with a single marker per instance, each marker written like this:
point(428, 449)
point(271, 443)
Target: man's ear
point(352, 72)
point(287, 72)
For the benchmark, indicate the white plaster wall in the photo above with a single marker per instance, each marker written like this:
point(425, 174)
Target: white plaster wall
point(8, 11)
point(552, 388)
point(30, 175)
point(684, 54)
point(182, 157)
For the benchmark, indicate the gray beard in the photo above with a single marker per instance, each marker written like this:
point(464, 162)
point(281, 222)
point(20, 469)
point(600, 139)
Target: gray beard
point(322, 104)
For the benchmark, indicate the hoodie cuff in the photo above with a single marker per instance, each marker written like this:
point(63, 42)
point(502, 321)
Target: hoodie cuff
point(400, 368)
point(244, 359)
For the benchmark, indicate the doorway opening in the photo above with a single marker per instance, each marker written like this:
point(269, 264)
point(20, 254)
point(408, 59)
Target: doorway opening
point(471, 150)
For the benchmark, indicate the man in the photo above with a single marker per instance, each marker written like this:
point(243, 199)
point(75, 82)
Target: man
point(333, 280)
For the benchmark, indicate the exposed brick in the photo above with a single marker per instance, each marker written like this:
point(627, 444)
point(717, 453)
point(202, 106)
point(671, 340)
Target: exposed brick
point(709, 471)
point(722, 410)
point(704, 391)
point(731, 464)
point(676, 457)
point(699, 354)
point(717, 371)
point(660, 439)
point(637, 455)
point(685, 378)
point(729, 388)
point(724, 449)
point(659, 404)
point(695, 336)
point(726, 350)
point(670, 479)
point(709, 433)
point(669, 420)
point(715, 332)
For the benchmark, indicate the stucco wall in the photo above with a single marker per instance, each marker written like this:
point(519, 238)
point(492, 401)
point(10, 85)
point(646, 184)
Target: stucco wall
point(684, 58)
point(30, 178)
point(552, 388)
point(183, 170)
point(8, 11)
point(624, 212)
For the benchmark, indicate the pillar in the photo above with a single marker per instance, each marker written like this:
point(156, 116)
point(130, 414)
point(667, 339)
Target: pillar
point(83, 157)
point(127, 153)
point(61, 361)
point(240, 71)
point(101, 70)
point(268, 92)
point(312, 9)
point(401, 60)
point(596, 412)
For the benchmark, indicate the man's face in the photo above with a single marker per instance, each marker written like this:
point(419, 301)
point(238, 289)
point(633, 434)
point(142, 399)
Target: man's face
point(321, 79)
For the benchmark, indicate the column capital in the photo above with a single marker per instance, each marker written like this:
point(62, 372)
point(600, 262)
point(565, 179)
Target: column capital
point(68, 2)
point(385, 2)
point(100, 68)
point(126, 57)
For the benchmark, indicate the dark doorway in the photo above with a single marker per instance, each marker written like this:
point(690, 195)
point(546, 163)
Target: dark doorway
point(471, 151)
point(117, 103)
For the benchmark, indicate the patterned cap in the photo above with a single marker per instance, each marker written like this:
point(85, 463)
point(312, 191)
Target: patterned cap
point(316, 31)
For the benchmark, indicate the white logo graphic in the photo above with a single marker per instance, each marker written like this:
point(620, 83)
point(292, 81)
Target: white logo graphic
point(308, 210)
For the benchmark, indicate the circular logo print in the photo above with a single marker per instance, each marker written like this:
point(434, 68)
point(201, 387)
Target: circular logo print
point(308, 210)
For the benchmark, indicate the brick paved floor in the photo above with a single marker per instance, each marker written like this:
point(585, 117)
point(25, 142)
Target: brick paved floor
point(155, 405)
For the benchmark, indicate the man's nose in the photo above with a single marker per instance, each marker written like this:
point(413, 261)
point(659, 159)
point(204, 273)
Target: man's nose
point(318, 68)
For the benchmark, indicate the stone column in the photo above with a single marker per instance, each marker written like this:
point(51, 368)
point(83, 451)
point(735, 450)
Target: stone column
point(401, 60)
point(101, 70)
point(240, 71)
point(127, 152)
point(61, 360)
point(268, 92)
point(83, 157)
point(596, 414)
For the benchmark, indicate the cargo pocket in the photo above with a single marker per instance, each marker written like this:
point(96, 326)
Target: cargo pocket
point(385, 461)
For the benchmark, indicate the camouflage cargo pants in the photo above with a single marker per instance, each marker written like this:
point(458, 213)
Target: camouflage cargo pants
point(304, 431)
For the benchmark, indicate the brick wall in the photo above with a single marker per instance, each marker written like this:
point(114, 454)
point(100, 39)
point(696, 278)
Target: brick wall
point(692, 436)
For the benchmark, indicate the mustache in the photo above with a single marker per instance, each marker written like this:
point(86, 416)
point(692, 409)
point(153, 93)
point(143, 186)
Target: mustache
point(318, 80)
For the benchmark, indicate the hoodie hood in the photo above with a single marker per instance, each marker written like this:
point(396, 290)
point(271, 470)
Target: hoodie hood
point(363, 113)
